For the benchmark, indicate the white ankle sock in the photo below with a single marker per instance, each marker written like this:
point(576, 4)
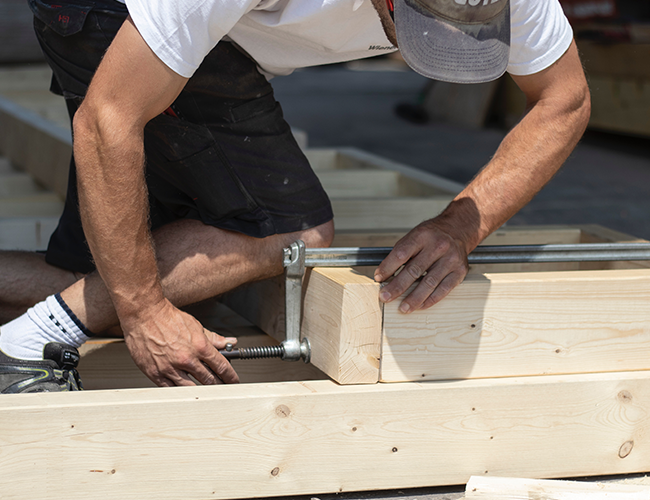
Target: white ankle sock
point(48, 321)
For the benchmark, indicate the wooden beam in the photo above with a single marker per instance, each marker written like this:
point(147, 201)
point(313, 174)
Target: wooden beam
point(512, 324)
point(35, 145)
point(341, 318)
point(261, 440)
point(493, 488)
point(353, 158)
point(35, 205)
point(26, 233)
point(386, 213)
point(508, 311)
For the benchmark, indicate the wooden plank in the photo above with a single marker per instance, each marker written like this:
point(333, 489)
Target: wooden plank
point(593, 233)
point(341, 318)
point(17, 184)
point(357, 158)
point(318, 437)
point(386, 213)
point(39, 204)
point(359, 183)
point(354, 159)
point(33, 144)
point(507, 488)
point(508, 235)
point(26, 233)
point(263, 304)
point(512, 324)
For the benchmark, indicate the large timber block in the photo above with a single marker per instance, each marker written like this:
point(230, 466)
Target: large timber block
point(262, 440)
point(372, 192)
point(502, 321)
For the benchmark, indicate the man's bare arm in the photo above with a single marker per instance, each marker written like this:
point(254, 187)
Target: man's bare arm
point(130, 87)
point(528, 157)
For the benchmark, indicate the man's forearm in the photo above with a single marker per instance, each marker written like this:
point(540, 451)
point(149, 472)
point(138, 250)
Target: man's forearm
point(529, 156)
point(527, 159)
point(114, 210)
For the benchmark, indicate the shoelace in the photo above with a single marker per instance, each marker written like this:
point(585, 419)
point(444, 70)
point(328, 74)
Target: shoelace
point(72, 380)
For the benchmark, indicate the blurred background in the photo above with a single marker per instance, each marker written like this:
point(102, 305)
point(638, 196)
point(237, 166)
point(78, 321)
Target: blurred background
point(381, 106)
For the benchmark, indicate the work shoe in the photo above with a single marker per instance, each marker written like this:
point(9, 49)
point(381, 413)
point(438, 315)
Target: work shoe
point(55, 373)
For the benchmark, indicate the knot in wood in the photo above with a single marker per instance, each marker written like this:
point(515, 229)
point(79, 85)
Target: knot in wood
point(625, 449)
point(275, 471)
point(283, 411)
point(625, 397)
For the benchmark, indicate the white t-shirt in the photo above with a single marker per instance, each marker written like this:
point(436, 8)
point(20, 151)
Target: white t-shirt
point(282, 35)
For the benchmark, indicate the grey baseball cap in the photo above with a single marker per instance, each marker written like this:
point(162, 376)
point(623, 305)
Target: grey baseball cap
point(461, 41)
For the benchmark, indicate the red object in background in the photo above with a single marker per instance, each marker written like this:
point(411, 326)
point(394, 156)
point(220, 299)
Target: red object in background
point(585, 10)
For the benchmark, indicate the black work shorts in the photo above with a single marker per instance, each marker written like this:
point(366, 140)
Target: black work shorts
point(222, 154)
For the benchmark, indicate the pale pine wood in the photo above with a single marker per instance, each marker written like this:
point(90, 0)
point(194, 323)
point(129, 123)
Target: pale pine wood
point(34, 205)
point(261, 440)
point(506, 488)
point(341, 318)
point(511, 324)
point(359, 183)
point(35, 145)
point(374, 183)
point(386, 213)
point(26, 233)
point(353, 158)
point(410, 343)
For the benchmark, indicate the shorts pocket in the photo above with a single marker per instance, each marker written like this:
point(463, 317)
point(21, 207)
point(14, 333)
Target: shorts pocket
point(65, 19)
point(187, 157)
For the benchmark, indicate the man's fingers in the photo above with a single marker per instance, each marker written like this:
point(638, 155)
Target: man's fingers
point(398, 256)
point(412, 271)
point(221, 367)
point(217, 340)
point(179, 378)
point(426, 294)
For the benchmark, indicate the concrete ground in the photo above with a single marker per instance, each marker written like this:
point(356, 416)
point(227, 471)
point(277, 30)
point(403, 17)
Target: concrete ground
point(606, 181)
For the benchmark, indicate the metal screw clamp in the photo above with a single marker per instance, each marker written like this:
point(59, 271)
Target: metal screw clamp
point(294, 263)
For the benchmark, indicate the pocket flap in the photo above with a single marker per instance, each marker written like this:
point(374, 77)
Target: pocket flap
point(66, 19)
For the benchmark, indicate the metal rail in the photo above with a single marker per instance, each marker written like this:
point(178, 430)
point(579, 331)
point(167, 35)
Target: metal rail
point(580, 252)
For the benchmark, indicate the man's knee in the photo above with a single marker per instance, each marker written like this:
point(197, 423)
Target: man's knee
point(319, 236)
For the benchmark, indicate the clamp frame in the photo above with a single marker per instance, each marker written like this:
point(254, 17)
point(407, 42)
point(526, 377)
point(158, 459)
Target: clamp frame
point(294, 263)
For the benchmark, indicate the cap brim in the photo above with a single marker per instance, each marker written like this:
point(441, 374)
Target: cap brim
point(452, 52)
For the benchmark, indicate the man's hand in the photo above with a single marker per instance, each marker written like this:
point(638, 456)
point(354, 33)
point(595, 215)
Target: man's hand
point(170, 345)
point(528, 157)
point(431, 252)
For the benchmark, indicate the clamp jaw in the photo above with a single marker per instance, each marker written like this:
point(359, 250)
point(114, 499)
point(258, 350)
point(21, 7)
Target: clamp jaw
point(292, 348)
point(294, 263)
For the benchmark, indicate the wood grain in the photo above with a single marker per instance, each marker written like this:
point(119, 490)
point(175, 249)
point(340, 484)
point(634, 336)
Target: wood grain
point(261, 440)
point(512, 324)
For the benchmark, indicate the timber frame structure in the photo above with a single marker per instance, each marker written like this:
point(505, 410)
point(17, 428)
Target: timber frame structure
point(530, 370)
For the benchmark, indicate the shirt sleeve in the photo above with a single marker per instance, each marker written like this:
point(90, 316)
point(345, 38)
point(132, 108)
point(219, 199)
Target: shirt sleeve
point(540, 35)
point(182, 32)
